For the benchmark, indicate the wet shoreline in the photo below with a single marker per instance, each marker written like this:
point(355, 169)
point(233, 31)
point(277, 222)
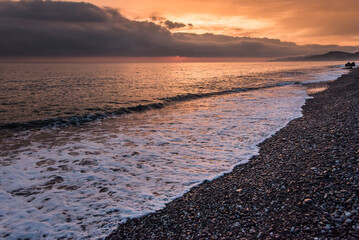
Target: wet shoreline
point(303, 184)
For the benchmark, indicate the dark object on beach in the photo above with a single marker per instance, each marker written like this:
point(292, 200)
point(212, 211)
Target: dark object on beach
point(350, 65)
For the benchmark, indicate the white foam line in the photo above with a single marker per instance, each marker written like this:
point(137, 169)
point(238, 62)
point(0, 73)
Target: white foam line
point(127, 167)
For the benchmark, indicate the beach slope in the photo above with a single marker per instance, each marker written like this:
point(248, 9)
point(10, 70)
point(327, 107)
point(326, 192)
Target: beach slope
point(304, 183)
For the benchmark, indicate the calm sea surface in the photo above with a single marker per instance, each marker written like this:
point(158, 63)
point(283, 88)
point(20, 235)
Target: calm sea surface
point(84, 146)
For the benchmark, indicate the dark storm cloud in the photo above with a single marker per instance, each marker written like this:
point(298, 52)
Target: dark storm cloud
point(75, 29)
point(208, 45)
point(53, 11)
point(48, 28)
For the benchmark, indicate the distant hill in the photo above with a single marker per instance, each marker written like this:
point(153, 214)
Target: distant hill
point(330, 56)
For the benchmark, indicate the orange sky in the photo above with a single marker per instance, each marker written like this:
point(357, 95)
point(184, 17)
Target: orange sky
point(299, 21)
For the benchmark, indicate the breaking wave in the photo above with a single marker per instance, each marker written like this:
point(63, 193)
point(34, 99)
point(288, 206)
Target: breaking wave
point(77, 120)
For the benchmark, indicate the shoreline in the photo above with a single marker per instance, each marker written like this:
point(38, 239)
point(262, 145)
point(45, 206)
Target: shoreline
point(303, 184)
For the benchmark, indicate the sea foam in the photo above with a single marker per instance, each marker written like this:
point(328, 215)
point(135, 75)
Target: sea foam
point(81, 182)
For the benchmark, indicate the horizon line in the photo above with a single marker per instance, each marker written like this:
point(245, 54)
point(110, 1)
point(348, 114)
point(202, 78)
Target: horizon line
point(104, 59)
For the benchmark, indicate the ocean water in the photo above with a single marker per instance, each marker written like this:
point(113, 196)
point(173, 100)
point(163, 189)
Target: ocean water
point(86, 146)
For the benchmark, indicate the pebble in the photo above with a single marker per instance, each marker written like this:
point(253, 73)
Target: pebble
point(348, 214)
point(327, 227)
point(348, 221)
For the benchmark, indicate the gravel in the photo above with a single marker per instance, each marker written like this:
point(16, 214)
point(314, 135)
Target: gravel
point(304, 184)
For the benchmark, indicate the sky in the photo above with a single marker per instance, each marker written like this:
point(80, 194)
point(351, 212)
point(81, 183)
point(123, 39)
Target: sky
point(201, 28)
point(299, 21)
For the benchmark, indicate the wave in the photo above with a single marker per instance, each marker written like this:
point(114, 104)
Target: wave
point(77, 120)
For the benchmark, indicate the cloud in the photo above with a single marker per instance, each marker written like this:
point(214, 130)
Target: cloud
point(172, 25)
point(51, 28)
point(53, 11)
point(154, 17)
point(168, 23)
point(58, 31)
point(210, 45)
point(301, 21)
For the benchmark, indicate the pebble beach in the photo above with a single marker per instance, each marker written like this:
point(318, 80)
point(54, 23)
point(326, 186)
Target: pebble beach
point(304, 184)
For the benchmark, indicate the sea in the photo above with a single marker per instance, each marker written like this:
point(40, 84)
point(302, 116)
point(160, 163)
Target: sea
point(86, 146)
